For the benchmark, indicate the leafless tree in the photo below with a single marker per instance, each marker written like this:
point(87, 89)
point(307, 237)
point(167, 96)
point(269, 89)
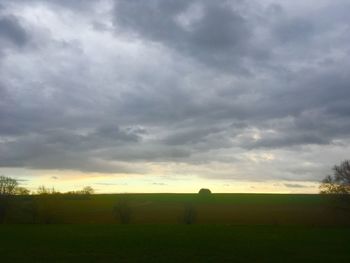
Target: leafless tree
point(21, 191)
point(339, 182)
point(8, 185)
point(43, 190)
point(87, 190)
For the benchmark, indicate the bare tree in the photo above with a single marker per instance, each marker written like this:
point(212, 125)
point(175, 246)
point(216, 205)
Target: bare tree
point(43, 190)
point(339, 182)
point(87, 190)
point(22, 191)
point(8, 185)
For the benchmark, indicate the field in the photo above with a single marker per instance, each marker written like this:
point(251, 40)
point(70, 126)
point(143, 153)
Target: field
point(237, 209)
point(175, 227)
point(173, 243)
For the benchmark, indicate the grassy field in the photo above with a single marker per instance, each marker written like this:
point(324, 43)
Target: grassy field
point(224, 228)
point(238, 209)
point(173, 243)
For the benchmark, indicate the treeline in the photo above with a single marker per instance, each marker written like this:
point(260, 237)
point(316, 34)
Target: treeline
point(10, 186)
point(42, 190)
point(20, 205)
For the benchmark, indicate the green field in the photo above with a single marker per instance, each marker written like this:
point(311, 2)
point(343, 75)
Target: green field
point(173, 243)
point(222, 228)
point(236, 209)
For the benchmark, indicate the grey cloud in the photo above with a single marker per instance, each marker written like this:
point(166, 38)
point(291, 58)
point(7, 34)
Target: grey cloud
point(294, 30)
point(60, 149)
point(296, 185)
point(167, 82)
point(286, 140)
point(75, 5)
point(220, 37)
point(148, 152)
point(12, 31)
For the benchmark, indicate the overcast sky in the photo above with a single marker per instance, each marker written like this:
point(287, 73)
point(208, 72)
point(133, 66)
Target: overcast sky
point(165, 94)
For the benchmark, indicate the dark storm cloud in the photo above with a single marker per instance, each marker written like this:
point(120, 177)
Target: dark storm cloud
point(214, 33)
point(12, 31)
point(76, 5)
point(60, 149)
point(112, 85)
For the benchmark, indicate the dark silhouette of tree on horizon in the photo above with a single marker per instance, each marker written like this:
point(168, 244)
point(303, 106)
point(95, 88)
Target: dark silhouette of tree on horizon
point(204, 191)
point(339, 182)
point(8, 185)
point(7, 188)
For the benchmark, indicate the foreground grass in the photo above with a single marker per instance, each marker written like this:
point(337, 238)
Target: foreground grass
point(173, 243)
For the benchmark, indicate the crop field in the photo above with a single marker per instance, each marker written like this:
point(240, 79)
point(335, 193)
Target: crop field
point(236, 209)
point(175, 227)
point(173, 243)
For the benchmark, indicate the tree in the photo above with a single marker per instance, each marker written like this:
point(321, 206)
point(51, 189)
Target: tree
point(21, 191)
point(204, 191)
point(339, 182)
point(87, 190)
point(43, 190)
point(7, 185)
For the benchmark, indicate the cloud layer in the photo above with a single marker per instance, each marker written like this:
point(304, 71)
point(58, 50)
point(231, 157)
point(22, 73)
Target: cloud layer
point(251, 90)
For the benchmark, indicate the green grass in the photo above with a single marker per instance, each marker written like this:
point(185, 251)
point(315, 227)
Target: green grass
point(173, 243)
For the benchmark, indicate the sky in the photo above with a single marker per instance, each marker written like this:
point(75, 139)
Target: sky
point(174, 95)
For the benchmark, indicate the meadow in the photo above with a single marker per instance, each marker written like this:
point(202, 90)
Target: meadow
point(175, 227)
point(237, 209)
